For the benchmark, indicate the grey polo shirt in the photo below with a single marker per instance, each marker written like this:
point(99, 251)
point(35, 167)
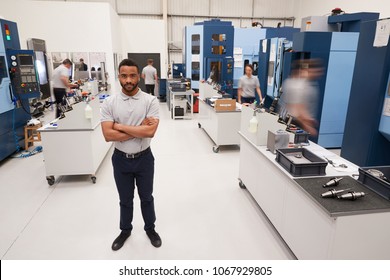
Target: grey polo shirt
point(149, 72)
point(248, 85)
point(130, 110)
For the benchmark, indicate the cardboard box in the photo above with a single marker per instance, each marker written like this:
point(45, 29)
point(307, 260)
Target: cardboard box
point(225, 105)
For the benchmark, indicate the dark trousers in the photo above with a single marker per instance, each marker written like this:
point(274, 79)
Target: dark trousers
point(248, 99)
point(128, 173)
point(59, 94)
point(150, 89)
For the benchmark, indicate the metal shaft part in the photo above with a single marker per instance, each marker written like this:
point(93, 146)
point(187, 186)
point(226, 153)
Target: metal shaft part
point(332, 183)
point(333, 193)
point(351, 195)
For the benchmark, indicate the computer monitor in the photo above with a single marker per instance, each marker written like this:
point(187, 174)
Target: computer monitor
point(81, 75)
point(96, 75)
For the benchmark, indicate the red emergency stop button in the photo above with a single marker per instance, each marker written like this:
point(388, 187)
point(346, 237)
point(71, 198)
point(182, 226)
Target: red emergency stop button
point(23, 85)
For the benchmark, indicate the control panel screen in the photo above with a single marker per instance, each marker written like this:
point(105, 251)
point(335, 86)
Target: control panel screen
point(26, 60)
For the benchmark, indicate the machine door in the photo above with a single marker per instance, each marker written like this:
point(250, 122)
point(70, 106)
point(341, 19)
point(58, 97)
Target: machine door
point(384, 125)
point(213, 70)
point(6, 103)
point(39, 47)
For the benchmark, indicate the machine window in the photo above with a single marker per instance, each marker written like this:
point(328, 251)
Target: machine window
point(218, 37)
point(218, 50)
point(3, 68)
point(215, 71)
point(195, 44)
point(195, 65)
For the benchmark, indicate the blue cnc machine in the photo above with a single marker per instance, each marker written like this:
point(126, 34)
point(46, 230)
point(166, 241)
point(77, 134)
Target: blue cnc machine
point(337, 52)
point(209, 53)
point(274, 59)
point(248, 42)
point(18, 83)
point(367, 131)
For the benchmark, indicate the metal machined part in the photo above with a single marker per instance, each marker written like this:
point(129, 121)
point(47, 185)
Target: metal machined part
point(352, 195)
point(333, 193)
point(332, 182)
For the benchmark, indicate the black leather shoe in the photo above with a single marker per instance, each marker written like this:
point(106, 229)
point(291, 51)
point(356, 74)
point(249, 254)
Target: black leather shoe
point(154, 238)
point(120, 240)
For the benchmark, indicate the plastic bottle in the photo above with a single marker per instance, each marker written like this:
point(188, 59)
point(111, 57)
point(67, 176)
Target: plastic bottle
point(254, 104)
point(88, 111)
point(89, 87)
point(253, 123)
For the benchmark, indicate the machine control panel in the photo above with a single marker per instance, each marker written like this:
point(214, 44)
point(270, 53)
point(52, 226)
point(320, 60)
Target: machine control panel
point(23, 75)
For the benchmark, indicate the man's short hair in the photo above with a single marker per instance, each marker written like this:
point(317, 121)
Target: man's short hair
point(150, 61)
point(81, 59)
point(128, 62)
point(67, 61)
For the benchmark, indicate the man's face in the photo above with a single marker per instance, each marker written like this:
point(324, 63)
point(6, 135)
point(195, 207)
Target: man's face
point(129, 78)
point(68, 66)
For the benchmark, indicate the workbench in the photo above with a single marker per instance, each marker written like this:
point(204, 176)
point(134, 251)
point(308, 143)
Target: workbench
point(314, 227)
point(182, 99)
point(222, 126)
point(76, 146)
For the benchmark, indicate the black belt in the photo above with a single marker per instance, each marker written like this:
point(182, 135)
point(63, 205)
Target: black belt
point(132, 156)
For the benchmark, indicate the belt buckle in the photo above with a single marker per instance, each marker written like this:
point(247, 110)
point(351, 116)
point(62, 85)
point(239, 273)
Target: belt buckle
point(130, 156)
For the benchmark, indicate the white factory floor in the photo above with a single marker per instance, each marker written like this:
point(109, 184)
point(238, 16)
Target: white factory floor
point(201, 211)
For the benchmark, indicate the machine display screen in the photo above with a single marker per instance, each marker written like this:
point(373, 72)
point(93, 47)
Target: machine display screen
point(41, 67)
point(26, 60)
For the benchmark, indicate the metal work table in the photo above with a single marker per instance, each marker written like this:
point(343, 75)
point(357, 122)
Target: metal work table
point(76, 146)
point(188, 98)
point(312, 227)
point(222, 127)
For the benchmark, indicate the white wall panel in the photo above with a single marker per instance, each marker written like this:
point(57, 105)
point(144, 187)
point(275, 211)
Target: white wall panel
point(140, 17)
point(176, 57)
point(233, 8)
point(274, 8)
point(139, 6)
point(176, 28)
point(112, 2)
point(92, 34)
point(188, 7)
point(150, 38)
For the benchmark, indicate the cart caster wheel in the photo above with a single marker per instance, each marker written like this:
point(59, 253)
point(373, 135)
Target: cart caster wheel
point(241, 184)
point(215, 149)
point(199, 125)
point(93, 178)
point(50, 180)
